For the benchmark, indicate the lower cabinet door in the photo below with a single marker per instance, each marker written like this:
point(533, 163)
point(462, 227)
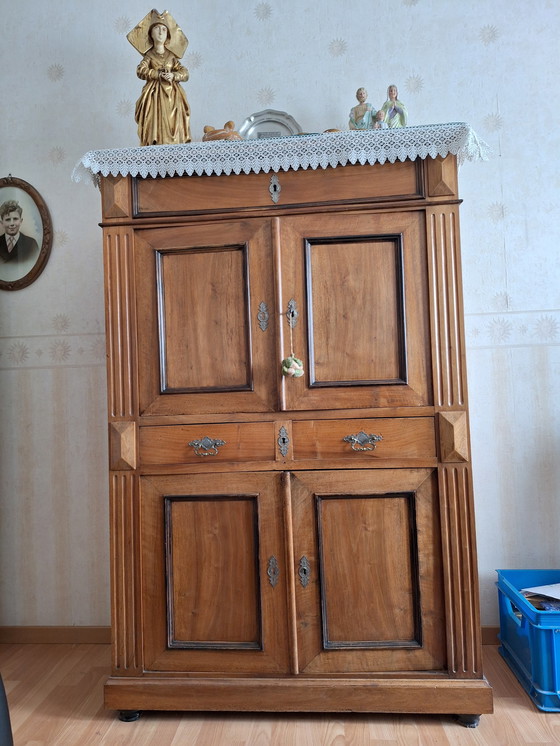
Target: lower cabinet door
point(310, 573)
point(367, 559)
point(213, 573)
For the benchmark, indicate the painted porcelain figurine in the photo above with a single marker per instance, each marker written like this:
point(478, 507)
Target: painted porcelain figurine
point(362, 115)
point(162, 111)
point(379, 121)
point(395, 111)
point(292, 367)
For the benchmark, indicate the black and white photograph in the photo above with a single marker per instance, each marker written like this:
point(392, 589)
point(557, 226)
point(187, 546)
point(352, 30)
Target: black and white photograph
point(25, 234)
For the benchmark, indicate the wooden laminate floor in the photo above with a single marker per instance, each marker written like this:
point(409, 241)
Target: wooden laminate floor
point(55, 698)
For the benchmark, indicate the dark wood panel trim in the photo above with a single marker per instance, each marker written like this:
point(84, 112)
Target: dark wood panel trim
point(162, 337)
point(397, 240)
point(172, 641)
point(416, 641)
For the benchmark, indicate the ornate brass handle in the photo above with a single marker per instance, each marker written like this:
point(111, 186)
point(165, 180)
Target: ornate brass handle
point(207, 446)
point(362, 441)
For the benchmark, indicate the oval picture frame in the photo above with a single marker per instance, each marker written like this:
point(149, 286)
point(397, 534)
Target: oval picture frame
point(35, 240)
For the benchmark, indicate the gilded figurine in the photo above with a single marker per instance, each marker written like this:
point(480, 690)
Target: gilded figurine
point(395, 111)
point(162, 111)
point(362, 115)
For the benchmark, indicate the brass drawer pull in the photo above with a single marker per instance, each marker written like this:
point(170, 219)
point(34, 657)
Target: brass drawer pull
point(207, 446)
point(362, 441)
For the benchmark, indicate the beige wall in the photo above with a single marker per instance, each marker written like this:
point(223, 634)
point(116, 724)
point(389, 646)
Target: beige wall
point(70, 86)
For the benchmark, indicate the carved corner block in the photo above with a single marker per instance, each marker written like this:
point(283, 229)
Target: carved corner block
point(115, 197)
point(442, 177)
point(122, 446)
point(453, 437)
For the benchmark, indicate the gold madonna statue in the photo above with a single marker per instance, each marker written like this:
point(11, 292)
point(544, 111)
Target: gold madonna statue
point(162, 111)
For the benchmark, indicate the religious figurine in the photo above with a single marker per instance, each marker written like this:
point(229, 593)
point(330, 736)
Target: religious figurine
point(162, 111)
point(395, 111)
point(227, 133)
point(379, 122)
point(362, 115)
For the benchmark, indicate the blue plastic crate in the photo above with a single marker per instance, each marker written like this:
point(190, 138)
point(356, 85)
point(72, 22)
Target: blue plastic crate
point(530, 639)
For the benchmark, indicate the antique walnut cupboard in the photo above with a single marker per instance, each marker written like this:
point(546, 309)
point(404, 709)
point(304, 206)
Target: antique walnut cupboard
point(290, 544)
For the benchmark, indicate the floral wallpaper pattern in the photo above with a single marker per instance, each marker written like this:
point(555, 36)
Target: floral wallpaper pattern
point(485, 63)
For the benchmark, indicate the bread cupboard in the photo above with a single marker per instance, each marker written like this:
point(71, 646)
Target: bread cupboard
point(290, 543)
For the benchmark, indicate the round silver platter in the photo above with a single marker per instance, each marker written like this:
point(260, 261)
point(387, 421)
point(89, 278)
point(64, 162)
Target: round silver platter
point(269, 123)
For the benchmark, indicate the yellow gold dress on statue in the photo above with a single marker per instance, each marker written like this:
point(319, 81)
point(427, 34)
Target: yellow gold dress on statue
point(162, 111)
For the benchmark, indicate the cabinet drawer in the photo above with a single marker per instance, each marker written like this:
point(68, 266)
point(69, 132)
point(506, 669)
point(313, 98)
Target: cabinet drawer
point(208, 443)
point(195, 194)
point(379, 438)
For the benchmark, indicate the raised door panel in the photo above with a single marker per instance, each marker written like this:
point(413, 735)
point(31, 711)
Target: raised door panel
point(360, 287)
point(368, 560)
point(214, 587)
point(205, 296)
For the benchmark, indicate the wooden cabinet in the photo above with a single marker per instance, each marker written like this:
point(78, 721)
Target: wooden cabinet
point(297, 544)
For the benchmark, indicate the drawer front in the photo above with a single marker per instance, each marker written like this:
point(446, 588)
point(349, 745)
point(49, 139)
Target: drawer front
point(208, 443)
point(196, 194)
point(371, 439)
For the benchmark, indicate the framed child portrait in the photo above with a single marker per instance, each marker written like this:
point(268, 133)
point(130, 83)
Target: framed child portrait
point(25, 234)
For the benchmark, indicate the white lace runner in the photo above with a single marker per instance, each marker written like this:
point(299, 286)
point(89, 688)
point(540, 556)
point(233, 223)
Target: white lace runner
point(282, 153)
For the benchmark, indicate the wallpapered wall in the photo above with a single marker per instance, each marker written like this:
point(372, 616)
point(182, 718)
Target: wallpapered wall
point(70, 86)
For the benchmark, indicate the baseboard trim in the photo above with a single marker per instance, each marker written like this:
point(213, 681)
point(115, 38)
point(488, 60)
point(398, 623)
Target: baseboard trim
point(490, 635)
point(55, 635)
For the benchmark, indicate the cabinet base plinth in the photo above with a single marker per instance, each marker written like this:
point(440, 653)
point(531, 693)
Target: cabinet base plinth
point(427, 695)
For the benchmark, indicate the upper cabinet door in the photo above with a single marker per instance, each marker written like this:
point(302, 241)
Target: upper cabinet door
point(359, 286)
point(205, 300)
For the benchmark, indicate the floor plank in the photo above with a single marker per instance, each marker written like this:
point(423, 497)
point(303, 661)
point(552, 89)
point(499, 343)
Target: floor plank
point(55, 693)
